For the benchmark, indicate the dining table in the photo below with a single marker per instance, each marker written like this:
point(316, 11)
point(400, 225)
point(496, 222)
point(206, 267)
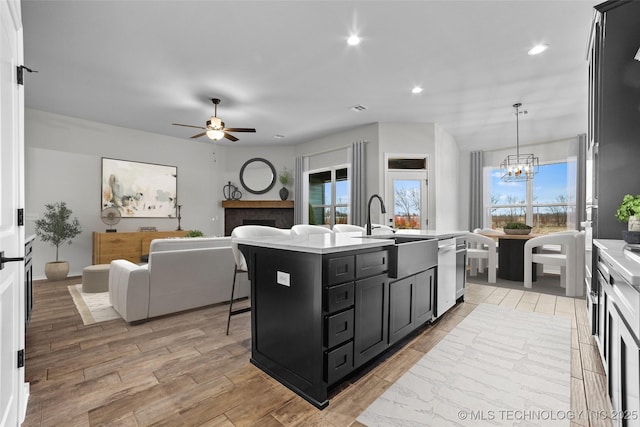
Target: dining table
point(511, 255)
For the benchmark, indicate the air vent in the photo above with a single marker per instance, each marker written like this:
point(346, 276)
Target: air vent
point(358, 107)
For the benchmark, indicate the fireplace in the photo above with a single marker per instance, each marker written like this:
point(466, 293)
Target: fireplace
point(274, 213)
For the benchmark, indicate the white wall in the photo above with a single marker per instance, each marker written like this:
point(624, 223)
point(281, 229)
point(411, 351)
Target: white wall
point(446, 181)
point(63, 163)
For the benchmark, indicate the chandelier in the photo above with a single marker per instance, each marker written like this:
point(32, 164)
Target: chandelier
point(518, 167)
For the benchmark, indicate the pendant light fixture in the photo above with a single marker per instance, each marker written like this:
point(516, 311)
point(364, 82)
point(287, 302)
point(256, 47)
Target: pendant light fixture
point(518, 167)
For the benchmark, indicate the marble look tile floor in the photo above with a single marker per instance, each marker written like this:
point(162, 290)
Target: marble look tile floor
point(498, 366)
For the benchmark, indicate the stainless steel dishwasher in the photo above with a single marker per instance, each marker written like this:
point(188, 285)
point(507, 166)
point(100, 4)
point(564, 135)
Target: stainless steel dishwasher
point(461, 267)
point(446, 286)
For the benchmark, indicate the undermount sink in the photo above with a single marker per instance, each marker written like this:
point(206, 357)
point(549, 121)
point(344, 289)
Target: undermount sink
point(410, 255)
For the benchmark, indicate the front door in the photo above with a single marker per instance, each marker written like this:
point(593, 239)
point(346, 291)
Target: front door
point(12, 388)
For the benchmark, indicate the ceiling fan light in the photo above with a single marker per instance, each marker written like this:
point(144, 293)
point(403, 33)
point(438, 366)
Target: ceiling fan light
point(215, 134)
point(215, 122)
point(539, 48)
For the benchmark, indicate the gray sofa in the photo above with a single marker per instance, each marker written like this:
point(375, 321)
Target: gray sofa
point(181, 274)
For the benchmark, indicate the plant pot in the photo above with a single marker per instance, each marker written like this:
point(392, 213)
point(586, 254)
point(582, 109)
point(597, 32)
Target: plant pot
point(631, 236)
point(57, 270)
point(284, 193)
point(520, 231)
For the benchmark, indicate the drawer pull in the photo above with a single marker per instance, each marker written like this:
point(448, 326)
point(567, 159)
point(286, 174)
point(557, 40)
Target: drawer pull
point(345, 326)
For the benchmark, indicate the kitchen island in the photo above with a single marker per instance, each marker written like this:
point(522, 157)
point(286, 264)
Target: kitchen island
point(324, 305)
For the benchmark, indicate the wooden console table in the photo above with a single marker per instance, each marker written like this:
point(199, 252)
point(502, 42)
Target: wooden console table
point(126, 245)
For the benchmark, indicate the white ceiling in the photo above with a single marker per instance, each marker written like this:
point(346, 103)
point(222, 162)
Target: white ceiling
point(284, 67)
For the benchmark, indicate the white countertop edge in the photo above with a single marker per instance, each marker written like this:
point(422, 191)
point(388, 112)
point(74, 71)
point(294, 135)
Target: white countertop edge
point(341, 242)
point(316, 243)
point(627, 264)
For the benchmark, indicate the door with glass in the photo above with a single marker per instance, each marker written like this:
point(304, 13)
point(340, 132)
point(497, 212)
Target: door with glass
point(408, 199)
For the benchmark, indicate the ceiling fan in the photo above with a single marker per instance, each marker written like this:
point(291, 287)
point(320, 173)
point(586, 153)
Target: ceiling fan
point(215, 129)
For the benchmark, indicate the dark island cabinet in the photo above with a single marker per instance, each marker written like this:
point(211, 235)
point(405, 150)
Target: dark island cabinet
point(316, 318)
point(371, 312)
point(410, 303)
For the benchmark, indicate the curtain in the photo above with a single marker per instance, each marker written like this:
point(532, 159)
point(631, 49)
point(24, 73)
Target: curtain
point(476, 191)
point(358, 184)
point(581, 180)
point(298, 207)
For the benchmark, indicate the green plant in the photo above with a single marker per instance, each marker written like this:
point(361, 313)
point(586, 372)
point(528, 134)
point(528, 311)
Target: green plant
point(630, 206)
point(516, 226)
point(194, 233)
point(285, 177)
point(56, 227)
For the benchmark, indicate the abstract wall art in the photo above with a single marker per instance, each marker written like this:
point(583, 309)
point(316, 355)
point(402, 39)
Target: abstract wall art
point(143, 190)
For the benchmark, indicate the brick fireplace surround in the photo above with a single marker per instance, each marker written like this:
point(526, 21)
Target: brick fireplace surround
point(256, 211)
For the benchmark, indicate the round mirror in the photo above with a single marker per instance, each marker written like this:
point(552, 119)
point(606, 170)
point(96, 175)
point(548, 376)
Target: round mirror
point(257, 175)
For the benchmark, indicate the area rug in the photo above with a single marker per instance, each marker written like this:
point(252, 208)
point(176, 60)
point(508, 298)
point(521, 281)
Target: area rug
point(93, 307)
point(498, 366)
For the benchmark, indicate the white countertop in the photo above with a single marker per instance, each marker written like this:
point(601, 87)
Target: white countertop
point(340, 242)
point(627, 263)
point(316, 243)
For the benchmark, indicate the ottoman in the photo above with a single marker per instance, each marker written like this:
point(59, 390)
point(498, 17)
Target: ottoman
point(95, 278)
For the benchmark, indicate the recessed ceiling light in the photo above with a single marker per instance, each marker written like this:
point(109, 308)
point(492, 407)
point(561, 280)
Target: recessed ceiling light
point(358, 107)
point(278, 136)
point(416, 89)
point(354, 40)
point(539, 48)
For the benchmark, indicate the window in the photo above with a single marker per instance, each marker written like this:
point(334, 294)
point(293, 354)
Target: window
point(329, 195)
point(547, 202)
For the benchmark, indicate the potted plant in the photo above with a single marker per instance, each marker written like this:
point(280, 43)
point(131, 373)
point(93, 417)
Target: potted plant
point(56, 228)
point(285, 179)
point(517, 228)
point(629, 212)
point(194, 233)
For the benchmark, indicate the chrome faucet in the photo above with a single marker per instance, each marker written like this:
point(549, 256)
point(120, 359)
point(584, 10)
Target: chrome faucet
point(382, 210)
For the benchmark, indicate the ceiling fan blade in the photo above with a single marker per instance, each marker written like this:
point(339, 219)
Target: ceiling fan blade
point(239, 130)
point(199, 135)
point(188, 126)
point(230, 137)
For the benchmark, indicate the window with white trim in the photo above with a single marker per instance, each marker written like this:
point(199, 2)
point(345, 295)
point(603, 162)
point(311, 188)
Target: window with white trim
point(329, 196)
point(547, 202)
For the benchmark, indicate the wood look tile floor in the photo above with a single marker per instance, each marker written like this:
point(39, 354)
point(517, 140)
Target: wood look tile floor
point(182, 370)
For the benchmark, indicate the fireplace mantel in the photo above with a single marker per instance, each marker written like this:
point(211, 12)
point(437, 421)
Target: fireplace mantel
point(240, 212)
point(257, 204)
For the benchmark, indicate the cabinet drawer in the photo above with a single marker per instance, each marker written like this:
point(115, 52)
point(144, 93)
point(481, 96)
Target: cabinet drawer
point(371, 264)
point(338, 362)
point(338, 328)
point(340, 270)
point(338, 297)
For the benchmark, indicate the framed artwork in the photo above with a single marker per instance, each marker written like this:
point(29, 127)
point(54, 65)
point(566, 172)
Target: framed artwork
point(142, 190)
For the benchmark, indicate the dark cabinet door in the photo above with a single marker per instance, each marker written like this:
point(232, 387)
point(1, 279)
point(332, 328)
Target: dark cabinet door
point(401, 307)
point(423, 305)
point(371, 318)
